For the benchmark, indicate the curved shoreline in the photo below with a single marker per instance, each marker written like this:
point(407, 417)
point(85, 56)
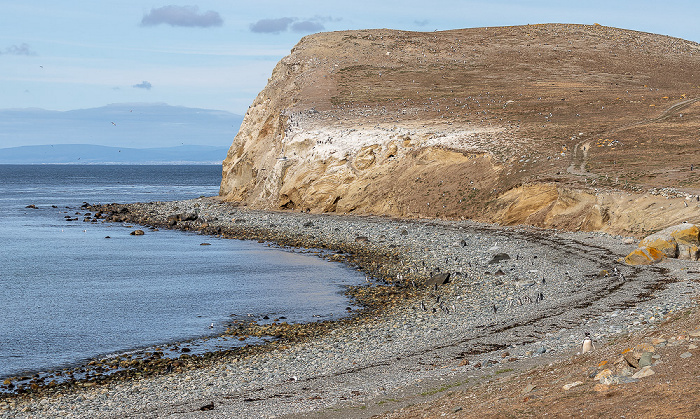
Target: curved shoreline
point(396, 344)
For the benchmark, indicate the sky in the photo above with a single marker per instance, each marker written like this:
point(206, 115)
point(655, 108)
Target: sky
point(63, 55)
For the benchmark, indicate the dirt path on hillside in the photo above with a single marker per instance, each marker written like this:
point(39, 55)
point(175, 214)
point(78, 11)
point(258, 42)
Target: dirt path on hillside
point(580, 153)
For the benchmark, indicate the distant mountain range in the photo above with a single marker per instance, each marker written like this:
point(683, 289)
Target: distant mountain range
point(156, 129)
point(96, 154)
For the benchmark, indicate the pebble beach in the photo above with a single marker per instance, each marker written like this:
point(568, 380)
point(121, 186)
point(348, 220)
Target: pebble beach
point(444, 302)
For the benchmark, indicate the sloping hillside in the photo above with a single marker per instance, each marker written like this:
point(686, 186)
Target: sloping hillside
point(565, 126)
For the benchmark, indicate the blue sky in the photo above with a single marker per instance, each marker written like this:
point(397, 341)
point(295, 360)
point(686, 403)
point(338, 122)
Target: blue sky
point(62, 55)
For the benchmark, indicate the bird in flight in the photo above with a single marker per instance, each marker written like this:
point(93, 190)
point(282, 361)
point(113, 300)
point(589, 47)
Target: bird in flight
point(114, 124)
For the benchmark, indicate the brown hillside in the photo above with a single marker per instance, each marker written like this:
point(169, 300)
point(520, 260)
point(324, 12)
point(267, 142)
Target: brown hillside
point(554, 125)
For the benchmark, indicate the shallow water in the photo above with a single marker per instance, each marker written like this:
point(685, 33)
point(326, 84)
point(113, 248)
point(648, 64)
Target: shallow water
point(68, 294)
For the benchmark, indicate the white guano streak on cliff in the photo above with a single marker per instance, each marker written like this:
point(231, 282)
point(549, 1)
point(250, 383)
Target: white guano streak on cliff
point(326, 142)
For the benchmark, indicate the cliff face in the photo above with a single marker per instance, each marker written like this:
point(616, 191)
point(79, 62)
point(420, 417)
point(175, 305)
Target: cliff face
point(541, 124)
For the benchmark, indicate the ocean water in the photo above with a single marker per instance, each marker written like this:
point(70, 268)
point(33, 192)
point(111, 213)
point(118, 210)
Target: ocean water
point(68, 294)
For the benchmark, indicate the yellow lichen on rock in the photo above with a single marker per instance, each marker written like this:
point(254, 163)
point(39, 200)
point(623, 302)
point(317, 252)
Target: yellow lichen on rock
point(644, 256)
point(663, 243)
point(686, 234)
point(679, 241)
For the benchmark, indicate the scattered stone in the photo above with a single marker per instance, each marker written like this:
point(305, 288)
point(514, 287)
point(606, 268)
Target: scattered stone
point(644, 372)
point(603, 374)
point(644, 347)
point(439, 279)
point(601, 387)
point(609, 380)
point(631, 359)
point(137, 233)
point(206, 407)
point(685, 355)
point(188, 217)
point(569, 386)
point(205, 244)
point(626, 372)
point(645, 359)
point(498, 257)
point(692, 346)
point(528, 388)
point(31, 206)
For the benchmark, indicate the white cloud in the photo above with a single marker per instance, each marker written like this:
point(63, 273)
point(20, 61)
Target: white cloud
point(182, 16)
point(307, 26)
point(21, 49)
point(284, 24)
point(143, 85)
point(272, 25)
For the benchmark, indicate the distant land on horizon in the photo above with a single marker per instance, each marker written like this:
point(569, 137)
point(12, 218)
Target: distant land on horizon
point(97, 154)
point(125, 125)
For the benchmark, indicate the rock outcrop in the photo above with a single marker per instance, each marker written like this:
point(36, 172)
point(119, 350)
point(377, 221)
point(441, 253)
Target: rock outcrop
point(537, 124)
point(680, 241)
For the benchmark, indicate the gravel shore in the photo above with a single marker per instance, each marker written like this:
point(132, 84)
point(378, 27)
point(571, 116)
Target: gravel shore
point(515, 297)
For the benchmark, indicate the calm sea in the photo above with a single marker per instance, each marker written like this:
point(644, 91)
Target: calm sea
point(68, 294)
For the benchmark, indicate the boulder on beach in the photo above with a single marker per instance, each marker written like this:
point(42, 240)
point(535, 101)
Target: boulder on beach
point(644, 256)
point(499, 257)
point(175, 218)
point(681, 241)
point(663, 243)
point(439, 279)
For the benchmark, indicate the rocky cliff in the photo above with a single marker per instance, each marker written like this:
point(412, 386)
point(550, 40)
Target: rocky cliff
point(565, 126)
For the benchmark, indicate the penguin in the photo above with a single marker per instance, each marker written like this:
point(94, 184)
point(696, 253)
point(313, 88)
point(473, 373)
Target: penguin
point(422, 305)
point(587, 345)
